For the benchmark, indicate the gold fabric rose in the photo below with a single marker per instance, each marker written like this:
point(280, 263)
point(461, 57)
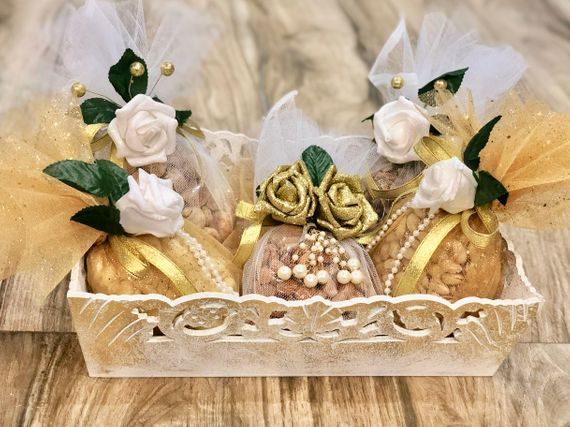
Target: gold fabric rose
point(343, 208)
point(287, 195)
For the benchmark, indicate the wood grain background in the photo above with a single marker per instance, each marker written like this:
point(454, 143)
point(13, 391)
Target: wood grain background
point(324, 49)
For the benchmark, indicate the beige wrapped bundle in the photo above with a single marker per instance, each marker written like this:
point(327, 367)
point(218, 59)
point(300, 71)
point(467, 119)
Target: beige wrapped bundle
point(274, 268)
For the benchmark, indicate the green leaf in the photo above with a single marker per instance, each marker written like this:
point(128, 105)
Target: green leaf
point(115, 179)
point(101, 179)
point(318, 162)
point(103, 218)
point(124, 83)
point(98, 110)
point(370, 117)
point(453, 79)
point(258, 190)
point(489, 188)
point(478, 142)
point(182, 116)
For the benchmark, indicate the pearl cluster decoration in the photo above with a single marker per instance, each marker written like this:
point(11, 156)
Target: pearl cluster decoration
point(386, 225)
point(407, 244)
point(317, 243)
point(206, 263)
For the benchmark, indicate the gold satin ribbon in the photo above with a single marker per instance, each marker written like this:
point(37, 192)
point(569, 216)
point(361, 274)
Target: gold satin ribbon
point(489, 220)
point(432, 149)
point(393, 193)
point(192, 127)
point(137, 256)
point(424, 252)
point(250, 235)
point(102, 142)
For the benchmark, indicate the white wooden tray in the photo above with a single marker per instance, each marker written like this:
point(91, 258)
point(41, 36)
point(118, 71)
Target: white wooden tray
point(209, 334)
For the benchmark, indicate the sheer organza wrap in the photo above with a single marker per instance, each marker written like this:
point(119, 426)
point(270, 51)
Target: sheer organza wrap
point(287, 132)
point(90, 39)
point(442, 48)
point(276, 249)
point(209, 200)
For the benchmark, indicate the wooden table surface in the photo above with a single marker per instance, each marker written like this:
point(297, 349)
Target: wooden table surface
point(324, 49)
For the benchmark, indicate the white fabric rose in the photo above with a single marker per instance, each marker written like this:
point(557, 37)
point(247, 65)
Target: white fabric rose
point(144, 131)
point(398, 127)
point(447, 184)
point(151, 206)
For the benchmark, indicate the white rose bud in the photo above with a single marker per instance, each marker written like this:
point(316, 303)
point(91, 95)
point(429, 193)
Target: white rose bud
point(398, 127)
point(151, 206)
point(449, 185)
point(144, 131)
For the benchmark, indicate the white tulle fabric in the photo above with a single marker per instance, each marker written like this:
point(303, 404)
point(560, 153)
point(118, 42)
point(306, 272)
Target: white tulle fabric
point(91, 38)
point(441, 48)
point(287, 132)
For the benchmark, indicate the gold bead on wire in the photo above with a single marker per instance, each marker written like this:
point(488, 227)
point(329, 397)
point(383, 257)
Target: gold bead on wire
point(440, 84)
point(397, 82)
point(167, 69)
point(78, 89)
point(137, 69)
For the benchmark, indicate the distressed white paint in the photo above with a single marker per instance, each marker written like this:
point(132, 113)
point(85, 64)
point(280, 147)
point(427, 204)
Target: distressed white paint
point(212, 334)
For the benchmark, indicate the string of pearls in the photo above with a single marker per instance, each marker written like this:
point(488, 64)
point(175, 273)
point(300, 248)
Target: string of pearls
point(318, 244)
point(387, 224)
point(407, 244)
point(206, 263)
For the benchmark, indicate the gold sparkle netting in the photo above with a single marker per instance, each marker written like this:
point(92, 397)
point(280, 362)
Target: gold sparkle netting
point(529, 152)
point(35, 210)
point(37, 235)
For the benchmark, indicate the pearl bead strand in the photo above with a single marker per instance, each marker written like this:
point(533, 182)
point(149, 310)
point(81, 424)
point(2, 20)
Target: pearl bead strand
point(207, 264)
point(407, 244)
point(317, 243)
point(386, 225)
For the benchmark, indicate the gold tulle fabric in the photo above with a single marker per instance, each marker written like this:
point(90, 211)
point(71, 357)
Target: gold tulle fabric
point(528, 152)
point(37, 235)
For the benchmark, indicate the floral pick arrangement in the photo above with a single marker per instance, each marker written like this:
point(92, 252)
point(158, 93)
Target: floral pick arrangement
point(129, 185)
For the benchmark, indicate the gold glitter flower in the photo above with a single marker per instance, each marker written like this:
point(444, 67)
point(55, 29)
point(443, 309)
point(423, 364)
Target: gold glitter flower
point(287, 195)
point(343, 208)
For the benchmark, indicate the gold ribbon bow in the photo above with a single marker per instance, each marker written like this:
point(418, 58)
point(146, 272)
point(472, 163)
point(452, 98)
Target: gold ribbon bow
point(431, 150)
point(137, 256)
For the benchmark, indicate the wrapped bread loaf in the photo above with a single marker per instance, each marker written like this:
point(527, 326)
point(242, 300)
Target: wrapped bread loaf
point(294, 263)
